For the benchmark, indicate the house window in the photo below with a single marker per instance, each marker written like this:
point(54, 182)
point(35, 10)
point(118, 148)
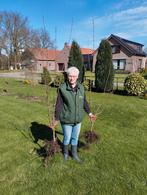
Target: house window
point(122, 64)
point(140, 64)
point(119, 64)
point(115, 49)
point(61, 66)
point(115, 64)
point(139, 48)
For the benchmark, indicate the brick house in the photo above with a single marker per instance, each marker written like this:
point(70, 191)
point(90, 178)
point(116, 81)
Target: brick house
point(55, 60)
point(41, 57)
point(126, 55)
point(62, 58)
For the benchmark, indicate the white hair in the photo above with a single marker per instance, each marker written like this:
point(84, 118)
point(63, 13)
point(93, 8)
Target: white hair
point(72, 69)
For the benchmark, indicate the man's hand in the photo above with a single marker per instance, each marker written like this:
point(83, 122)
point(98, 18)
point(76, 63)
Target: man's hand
point(92, 117)
point(53, 124)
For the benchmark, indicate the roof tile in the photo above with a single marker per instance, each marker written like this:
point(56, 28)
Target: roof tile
point(44, 54)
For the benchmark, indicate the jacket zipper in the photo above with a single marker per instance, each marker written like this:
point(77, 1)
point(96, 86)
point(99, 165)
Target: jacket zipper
point(75, 107)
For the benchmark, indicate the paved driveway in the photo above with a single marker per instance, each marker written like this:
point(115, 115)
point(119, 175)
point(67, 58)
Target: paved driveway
point(19, 75)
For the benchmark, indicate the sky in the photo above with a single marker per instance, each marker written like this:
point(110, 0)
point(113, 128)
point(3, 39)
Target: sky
point(85, 21)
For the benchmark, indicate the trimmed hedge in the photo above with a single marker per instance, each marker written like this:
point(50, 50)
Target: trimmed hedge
point(135, 84)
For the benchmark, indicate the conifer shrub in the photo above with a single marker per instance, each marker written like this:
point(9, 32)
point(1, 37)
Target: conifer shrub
point(104, 72)
point(46, 77)
point(76, 59)
point(58, 80)
point(135, 84)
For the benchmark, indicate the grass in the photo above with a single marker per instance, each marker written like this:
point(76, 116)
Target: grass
point(118, 78)
point(114, 165)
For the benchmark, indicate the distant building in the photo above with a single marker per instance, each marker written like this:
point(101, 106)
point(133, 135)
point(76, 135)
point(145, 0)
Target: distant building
point(126, 55)
point(42, 57)
point(54, 60)
point(62, 58)
point(87, 57)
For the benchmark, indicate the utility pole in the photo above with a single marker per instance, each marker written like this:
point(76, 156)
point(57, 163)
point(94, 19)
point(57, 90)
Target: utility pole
point(92, 68)
point(71, 29)
point(93, 32)
point(56, 68)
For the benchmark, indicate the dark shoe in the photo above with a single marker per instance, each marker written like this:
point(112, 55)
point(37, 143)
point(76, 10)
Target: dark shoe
point(74, 154)
point(65, 152)
point(65, 156)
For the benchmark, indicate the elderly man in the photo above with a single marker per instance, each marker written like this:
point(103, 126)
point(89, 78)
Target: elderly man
point(69, 110)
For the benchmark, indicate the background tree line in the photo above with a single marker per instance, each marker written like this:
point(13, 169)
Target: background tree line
point(16, 35)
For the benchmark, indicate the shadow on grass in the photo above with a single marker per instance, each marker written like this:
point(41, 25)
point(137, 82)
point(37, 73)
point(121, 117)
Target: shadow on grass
point(120, 92)
point(83, 145)
point(44, 133)
point(41, 131)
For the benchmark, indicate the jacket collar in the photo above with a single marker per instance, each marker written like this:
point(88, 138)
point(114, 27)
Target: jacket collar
point(68, 87)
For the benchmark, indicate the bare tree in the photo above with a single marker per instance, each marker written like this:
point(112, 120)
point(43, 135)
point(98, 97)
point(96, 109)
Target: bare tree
point(45, 40)
point(40, 38)
point(13, 31)
point(33, 39)
point(16, 36)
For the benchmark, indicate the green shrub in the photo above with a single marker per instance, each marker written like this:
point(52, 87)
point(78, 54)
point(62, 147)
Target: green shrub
point(144, 73)
point(135, 84)
point(145, 76)
point(46, 77)
point(26, 81)
point(59, 79)
point(104, 72)
point(76, 59)
point(145, 96)
point(88, 84)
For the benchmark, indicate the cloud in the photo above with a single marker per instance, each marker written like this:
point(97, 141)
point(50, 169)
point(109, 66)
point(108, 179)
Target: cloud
point(132, 21)
point(129, 23)
point(134, 12)
point(128, 3)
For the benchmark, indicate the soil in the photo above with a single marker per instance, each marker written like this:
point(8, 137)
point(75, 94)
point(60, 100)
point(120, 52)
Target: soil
point(51, 148)
point(90, 136)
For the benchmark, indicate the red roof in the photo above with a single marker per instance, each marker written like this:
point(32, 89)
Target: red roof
point(44, 54)
point(85, 51)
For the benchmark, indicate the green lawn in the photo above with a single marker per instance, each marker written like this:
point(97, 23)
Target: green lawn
point(115, 165)
point(119, 78)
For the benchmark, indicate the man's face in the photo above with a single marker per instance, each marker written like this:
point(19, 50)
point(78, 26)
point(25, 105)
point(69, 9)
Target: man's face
point(72, 78)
